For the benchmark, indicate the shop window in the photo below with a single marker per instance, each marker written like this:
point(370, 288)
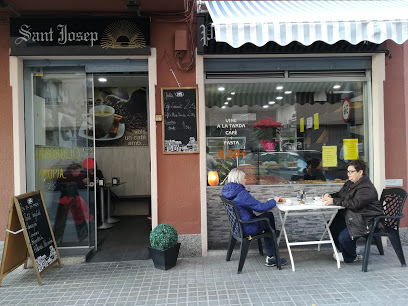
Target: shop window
point(287, 131)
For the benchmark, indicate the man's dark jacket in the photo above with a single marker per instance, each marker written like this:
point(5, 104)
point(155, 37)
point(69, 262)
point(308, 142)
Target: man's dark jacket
point(362, 205)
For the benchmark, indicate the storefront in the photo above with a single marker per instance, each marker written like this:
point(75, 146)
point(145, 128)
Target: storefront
point(303, 87)
point(78, 112)
point(291, 97)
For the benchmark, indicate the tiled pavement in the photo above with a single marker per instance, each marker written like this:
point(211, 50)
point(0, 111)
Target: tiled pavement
point(213, 281)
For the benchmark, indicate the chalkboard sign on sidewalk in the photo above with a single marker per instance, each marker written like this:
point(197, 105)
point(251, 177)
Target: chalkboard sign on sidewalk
point(179, 109)
point(29, 233)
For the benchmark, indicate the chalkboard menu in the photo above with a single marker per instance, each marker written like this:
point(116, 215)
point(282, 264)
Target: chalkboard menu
point(179, 109)
point(29, 233)
point(38, 230)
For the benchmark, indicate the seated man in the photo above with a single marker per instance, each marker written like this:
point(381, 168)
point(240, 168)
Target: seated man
point(246, 205)
point(359, 196)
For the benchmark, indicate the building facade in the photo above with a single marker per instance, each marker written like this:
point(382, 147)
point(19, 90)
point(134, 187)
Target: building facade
point(271, 107)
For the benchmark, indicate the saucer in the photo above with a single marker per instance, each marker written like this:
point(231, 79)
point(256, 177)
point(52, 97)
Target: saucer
point(83, 132)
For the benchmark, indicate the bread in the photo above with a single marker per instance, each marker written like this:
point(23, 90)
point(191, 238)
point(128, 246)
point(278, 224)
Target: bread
point(282, 200)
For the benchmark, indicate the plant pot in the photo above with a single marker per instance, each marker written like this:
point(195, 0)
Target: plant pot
point(165, 259)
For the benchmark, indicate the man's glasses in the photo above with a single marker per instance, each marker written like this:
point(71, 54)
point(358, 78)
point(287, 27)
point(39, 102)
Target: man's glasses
point(351, 171)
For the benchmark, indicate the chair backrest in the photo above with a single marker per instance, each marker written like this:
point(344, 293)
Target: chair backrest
point(233, 218)
point(393, 201)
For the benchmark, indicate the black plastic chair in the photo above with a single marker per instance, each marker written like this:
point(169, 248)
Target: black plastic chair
point(237, 234)
point(393, 201)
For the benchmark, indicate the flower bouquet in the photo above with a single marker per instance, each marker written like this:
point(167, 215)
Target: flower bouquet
point(267, 131)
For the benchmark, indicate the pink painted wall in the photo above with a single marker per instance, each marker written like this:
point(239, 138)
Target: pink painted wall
point(178, 174)
point(396, 115)
point(6, 128)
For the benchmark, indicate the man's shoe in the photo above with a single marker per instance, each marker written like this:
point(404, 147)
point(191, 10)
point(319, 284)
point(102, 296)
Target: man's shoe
point(271, 261)
point(340, 256)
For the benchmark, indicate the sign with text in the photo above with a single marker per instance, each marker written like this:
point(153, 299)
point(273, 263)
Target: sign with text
point(329, 156)
point(80, 36)
point(180, 126)
point(28, 218)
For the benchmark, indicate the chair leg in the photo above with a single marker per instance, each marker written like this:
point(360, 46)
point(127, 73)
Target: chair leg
point(396, 244)
point(243, 254)
point(379, 244)
point(260, 246)
point(367, 252)
point(230, 247)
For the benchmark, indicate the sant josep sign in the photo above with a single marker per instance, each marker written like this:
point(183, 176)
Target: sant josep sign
point(80, 36)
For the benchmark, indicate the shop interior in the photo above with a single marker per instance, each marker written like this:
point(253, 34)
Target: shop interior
point(91, 159)
point(277, 129)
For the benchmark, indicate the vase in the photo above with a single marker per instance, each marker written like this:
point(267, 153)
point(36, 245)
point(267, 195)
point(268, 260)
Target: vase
point(268, 145)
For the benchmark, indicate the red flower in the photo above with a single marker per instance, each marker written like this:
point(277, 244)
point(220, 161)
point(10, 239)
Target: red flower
point(267, 122)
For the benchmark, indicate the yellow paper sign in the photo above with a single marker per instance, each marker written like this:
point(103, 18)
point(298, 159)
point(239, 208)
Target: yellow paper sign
point(350, 147)
point(316, 121)
point(329, 156)
point(302, 125)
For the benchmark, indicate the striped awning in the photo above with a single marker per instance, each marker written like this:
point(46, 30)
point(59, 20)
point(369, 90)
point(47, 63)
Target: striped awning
point(258, 22)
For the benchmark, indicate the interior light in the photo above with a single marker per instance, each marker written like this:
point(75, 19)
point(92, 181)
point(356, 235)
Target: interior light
point(288, 92)
point(226, 102)
point(279, 98)
point(102, 80)
point(233, 93)
point(265, 106)
point(229, 98)
point(223, 106)
point(279, 87)
point(336, 86)
point(271, 102)
point(221, 88)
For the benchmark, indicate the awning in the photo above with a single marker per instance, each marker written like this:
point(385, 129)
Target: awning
point(258, 22)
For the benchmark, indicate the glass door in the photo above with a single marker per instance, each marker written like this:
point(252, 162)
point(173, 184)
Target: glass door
point(60, 150)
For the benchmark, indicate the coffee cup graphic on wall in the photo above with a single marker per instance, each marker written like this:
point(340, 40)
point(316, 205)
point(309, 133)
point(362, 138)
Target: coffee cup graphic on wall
point(103, 118)
point(120, 117)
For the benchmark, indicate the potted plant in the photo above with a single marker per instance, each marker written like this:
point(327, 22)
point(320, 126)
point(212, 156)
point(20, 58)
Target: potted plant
point(267, 132)
point(164, 246)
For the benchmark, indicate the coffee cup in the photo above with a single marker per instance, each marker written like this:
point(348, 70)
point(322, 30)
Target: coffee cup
point(103, 117)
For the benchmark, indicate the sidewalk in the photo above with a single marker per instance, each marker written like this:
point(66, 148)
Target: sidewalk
point(213, 281)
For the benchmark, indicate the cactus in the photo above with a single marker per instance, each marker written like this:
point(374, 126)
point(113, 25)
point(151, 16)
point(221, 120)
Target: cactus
point(163, 236)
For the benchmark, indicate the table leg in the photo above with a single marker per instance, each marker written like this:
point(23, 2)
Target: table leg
point(331, 237)
point(286, 238)
point(109, 219)
point(325, 230)
point(104, 225)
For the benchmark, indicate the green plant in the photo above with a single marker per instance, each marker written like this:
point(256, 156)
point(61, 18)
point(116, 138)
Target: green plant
point(163, 236)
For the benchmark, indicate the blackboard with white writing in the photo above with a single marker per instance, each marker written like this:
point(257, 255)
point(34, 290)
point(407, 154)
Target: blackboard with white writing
point(179, 109)
point(38, 228)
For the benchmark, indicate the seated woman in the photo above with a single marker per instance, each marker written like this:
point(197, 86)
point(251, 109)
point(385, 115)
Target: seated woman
point(246, 205)
point(359, 196)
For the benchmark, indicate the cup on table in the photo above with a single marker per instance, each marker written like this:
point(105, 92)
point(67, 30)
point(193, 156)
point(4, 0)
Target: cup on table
point(103, 117)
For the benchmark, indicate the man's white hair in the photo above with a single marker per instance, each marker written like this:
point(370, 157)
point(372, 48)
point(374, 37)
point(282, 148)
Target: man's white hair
point(236, 175)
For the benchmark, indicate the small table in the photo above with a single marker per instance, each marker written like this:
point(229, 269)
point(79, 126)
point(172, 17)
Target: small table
point(327, 214)
point(107, 222)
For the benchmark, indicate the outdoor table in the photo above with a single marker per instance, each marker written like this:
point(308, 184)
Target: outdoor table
point(325, 213)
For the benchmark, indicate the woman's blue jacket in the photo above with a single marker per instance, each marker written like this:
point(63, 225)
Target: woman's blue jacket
point(246, 205)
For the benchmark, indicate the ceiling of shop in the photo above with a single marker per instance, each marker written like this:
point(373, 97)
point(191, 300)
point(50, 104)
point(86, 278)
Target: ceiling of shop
point(90, 7)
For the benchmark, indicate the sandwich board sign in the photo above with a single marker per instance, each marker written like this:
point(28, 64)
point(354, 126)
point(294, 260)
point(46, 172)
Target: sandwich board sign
point(29, 233)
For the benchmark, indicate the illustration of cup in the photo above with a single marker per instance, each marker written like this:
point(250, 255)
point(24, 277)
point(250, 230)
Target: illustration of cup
point(103, 117)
